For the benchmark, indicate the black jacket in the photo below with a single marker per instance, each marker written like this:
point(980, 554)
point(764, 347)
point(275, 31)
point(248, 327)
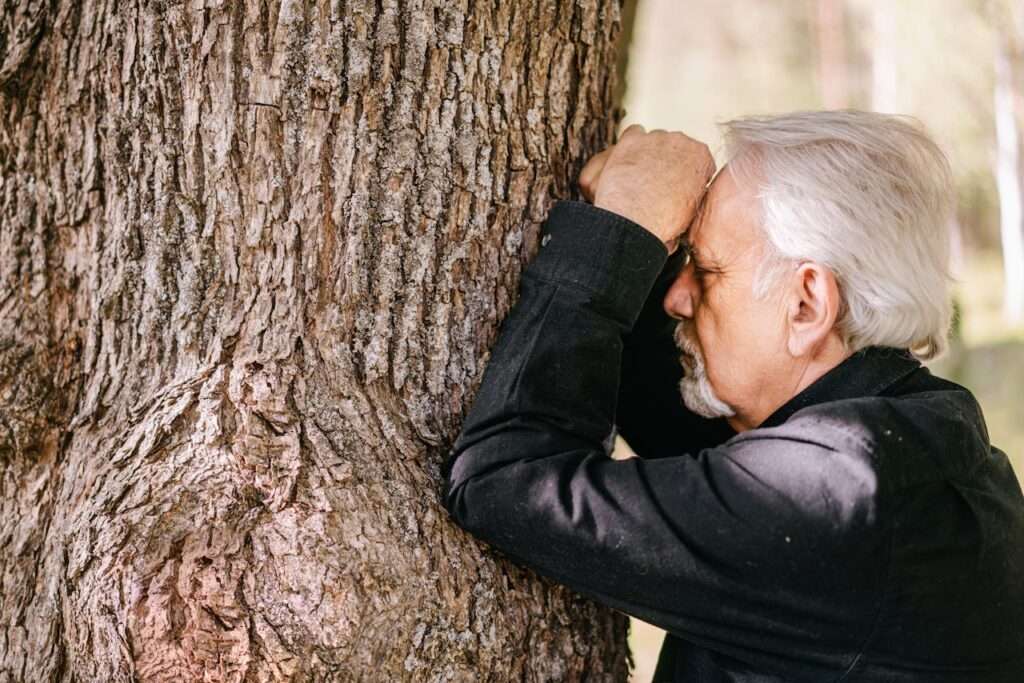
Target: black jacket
point(866, 531)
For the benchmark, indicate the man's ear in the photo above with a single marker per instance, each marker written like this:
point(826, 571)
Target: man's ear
point(812, 309)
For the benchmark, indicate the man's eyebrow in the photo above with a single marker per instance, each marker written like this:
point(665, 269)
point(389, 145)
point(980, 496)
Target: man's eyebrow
point(701, 261)
point(692, 252)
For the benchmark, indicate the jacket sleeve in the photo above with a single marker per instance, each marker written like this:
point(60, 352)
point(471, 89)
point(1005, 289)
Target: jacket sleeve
point(693, 543)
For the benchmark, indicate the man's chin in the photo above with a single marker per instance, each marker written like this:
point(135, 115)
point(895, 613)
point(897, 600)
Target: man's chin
point(699, 398)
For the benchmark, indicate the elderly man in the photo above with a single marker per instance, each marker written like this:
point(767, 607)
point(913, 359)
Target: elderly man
point(823, 508)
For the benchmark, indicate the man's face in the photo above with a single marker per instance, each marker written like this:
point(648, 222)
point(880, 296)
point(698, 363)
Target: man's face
point(741, 338)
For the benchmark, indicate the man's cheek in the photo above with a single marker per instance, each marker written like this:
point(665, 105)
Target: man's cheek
point(719, 365)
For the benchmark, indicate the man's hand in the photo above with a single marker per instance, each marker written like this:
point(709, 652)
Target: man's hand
point(654, 179)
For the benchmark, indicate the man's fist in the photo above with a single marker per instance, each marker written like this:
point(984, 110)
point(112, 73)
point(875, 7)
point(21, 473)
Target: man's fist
point(654, 179)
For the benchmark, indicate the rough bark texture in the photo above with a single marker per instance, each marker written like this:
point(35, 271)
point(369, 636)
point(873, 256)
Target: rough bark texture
point(252, 257)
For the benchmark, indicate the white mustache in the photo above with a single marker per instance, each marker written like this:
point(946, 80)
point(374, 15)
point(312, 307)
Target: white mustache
point(685, 339)
point(695, 387)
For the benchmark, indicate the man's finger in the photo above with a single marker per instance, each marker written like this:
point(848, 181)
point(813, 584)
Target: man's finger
point(635, 129)
point(592, 172)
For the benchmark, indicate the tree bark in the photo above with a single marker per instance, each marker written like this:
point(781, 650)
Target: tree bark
point(627, 21)
point(253, 256)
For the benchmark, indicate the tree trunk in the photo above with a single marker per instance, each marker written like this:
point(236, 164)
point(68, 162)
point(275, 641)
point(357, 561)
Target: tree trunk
point(253, 257)
point(627, 21)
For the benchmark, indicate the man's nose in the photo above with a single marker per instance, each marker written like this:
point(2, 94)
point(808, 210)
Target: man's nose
point(683, 295)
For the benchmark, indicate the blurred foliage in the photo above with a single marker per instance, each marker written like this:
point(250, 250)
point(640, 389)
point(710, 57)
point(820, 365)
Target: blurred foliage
point(696, 63)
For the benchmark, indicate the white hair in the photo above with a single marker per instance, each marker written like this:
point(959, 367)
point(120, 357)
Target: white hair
point(868, 196)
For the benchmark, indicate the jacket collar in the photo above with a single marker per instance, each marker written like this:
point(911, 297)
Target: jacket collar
point(868, 372)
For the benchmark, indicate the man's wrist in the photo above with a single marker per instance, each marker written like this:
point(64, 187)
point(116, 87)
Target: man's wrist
point(636, 214)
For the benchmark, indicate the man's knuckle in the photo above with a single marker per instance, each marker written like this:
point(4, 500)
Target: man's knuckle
point(635, 129)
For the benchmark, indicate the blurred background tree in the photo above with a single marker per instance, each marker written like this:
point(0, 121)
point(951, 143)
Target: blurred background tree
point(956, 65)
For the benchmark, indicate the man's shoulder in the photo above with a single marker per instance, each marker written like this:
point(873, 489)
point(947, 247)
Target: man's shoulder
point(849, 461)
point(924, 421)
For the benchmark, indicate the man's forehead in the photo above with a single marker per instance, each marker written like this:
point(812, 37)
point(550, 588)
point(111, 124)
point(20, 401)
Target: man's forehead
point(726, 219)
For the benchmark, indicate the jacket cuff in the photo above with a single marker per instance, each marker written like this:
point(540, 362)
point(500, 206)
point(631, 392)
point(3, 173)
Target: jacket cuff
point(610, 256)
